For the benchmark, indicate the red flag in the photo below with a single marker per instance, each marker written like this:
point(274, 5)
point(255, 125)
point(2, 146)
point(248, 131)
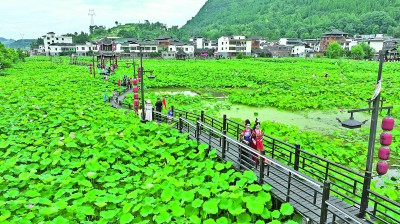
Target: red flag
point(164, 102)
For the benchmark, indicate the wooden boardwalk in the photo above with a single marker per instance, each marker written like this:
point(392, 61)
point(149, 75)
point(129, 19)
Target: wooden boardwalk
point(288, 185)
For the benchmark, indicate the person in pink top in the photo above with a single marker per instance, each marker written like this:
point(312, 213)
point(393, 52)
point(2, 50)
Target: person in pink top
point(258, 137)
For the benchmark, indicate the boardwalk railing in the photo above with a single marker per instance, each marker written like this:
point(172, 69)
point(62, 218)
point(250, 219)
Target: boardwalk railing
point(344, 182)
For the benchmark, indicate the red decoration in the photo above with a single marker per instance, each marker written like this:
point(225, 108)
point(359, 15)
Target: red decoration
point(164, 102)
point(136, 96)
point(386, 138)
point(388, 123)
point(382, 167)
point(136, 103)
point(134, 82)
point(119, 82)
point(135, 89)
point(384, 153)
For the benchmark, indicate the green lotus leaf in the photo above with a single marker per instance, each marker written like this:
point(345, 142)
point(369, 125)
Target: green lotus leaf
point(250, 176)
point(109, 214)
point(91, 175)
point(127, 207)
point(87, 210)
point(163, 217)
point(48, 210)
point(275, 214)
point(146, 210)
point(255, 207)
point(286, 209)
point(191, 211)
point(254, 188)
point(275, 222)
point(243, 218)
point(263, 197)
point(60, 205)
point(235, 209)
point(267, 187)
point(219, 166)
point(101, 204)
point(209, 221)
point(194, 219)
point(178, 211)
point(197, 203)
point(4, 144)
point(126, 218)
point(260, 222)
point(12, 193)
point(188, 196)
point(225, 203)
point(167, 194)
point(223, 220)
point(211, 206)
point(60, 220)
point(204, 192)
point(5, 214)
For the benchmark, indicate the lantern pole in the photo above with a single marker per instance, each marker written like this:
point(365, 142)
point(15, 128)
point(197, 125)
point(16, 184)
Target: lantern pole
point(142, 85)
point(371, 143)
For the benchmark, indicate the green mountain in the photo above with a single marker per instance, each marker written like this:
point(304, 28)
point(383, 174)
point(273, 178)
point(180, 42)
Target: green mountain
point(21, 44)
point(273, 19)
point(5, 41)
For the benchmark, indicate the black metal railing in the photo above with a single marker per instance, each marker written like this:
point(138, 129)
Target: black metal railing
point(345, 183)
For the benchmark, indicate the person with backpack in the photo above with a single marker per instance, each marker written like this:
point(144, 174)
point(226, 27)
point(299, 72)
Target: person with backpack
point(158, 105)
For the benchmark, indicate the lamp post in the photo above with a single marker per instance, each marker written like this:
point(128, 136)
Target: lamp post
point(141, 74)
point(351, 123)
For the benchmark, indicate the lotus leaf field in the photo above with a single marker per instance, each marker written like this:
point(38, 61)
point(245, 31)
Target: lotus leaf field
point(68, 157)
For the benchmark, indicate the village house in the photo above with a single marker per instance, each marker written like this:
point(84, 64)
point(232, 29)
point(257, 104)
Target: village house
point(231, 46)
point(179, 50)
point(51, 39)
point(332, 36)
point(84, 49)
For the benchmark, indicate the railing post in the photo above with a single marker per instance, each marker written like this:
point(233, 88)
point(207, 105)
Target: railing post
point(273, 148)
point(365, 194)
point(224, 137)
point(261, 179)
point(325, 197)
point(202, 116)
point(288, 186)
point(198, 131)
point(180, 125)
point(296, 157)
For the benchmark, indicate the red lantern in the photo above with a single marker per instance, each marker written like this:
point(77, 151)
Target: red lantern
point(119, 82)
point(135, 89)
point(384, 153)
point(90, 69)
point(134, 82)
point(136, 103)
point(388, 123)
point(386, 138)
point(136, 96)
point(382, 167)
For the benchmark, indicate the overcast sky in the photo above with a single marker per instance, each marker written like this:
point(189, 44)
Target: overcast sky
point(32, 19)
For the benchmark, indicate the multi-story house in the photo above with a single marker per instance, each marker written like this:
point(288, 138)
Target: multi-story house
point(50, 39)
point(61, 49)
point(84, 49)
point(182, 48)
point(231, 46)
point(332, 36)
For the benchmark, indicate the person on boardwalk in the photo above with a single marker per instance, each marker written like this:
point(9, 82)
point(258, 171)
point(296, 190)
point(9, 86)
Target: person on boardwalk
point(115, 96)
point(246, 138)
point(170, 115)
point(257, 138)
point(158, 108)
point(149, 111)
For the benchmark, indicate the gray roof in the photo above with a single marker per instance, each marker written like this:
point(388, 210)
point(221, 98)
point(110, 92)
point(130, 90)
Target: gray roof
point(335, 32)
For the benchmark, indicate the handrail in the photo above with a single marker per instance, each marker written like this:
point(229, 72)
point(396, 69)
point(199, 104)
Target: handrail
point(249, 149)
point(347, 215)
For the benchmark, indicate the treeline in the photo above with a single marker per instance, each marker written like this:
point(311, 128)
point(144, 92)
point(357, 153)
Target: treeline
point(8, 56)
point(273, 19)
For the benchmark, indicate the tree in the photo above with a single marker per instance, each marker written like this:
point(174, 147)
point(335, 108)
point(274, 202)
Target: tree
point(334, 50)
point(357, 52)
point(369, 52)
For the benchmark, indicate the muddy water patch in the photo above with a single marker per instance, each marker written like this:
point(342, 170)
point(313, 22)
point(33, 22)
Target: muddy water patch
point(320, 121)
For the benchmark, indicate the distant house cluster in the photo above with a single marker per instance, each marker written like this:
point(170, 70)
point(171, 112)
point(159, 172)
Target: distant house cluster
point(224, 47)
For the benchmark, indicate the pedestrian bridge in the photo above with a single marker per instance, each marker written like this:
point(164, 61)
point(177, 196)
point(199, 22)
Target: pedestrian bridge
point(320, 190)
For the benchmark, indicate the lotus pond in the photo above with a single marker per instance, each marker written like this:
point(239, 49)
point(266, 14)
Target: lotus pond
point(68, 157)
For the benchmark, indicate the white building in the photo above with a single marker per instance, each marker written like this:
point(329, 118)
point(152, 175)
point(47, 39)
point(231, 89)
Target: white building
point(61, 49)
point(84, 49)
point(229, 46)
point(51, 38)
point(176, 47)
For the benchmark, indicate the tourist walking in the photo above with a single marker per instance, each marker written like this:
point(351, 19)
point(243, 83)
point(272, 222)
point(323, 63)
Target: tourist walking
point(149, 111)
point(246, 138)
point(257, 138)
point(158, 105)
point(170, 115)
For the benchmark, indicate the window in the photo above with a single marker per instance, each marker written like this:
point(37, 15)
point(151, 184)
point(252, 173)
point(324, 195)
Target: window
point(48, 38)
point(56, 49)
point(62, 38)
point(90, 48)
point(48, 42)
point(83, 48)
point(170, 49)
point(154, 48)
point(186, 49)
point(57, 38)
point(52, 41)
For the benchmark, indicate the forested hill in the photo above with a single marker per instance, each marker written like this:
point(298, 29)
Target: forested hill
point(273, 19)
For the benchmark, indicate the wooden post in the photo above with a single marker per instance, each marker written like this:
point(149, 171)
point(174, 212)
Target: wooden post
point(296, 157)
point(325, 197)
point(224, 137)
